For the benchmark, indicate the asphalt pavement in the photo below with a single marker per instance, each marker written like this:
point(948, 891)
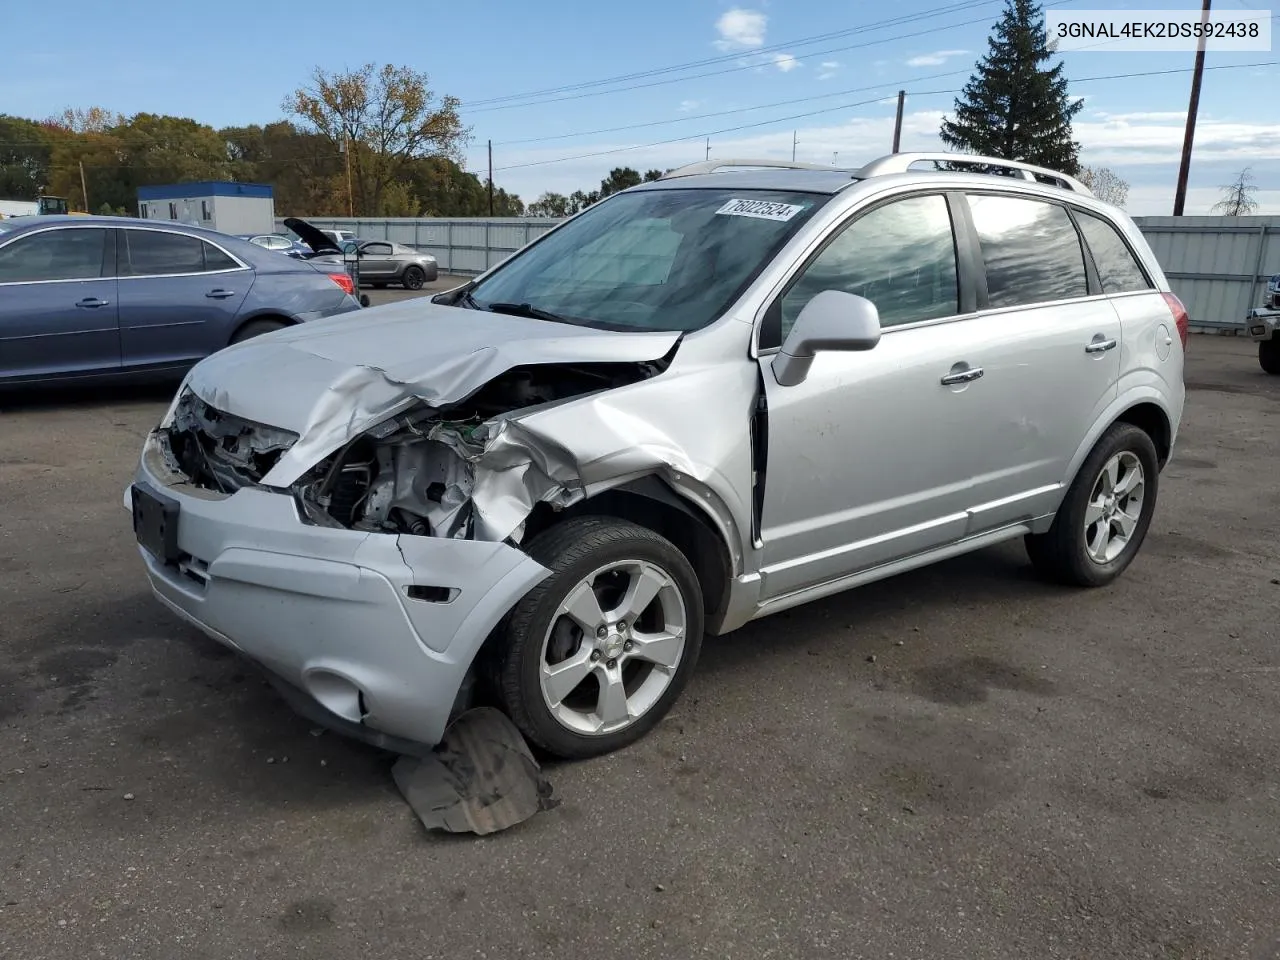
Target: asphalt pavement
point(961, 762)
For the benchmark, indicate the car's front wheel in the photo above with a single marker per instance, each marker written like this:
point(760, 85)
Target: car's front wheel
point(414, 278)
point(1104, 517)
point(1269, 354)
point(593, 657)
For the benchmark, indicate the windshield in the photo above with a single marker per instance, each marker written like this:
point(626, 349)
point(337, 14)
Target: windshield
point(667, 259)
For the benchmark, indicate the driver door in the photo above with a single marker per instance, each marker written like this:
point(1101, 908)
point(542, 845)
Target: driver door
point(870, 458)
point(375, 261)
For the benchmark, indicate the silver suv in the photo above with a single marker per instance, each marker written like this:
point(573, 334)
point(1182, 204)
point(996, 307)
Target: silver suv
point(705, 400)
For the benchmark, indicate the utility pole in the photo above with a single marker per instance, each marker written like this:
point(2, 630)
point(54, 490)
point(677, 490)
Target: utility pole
point(794, 135)
point(491, 178)
point(708, 156)
point(84, 190)
point(897, 124)
point(1193, 108)
point(346, 148)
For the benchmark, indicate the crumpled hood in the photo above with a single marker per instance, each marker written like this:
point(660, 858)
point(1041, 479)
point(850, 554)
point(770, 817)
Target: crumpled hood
point(329, 380)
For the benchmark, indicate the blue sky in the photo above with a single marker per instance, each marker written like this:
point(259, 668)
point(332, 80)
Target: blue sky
point(234, 61)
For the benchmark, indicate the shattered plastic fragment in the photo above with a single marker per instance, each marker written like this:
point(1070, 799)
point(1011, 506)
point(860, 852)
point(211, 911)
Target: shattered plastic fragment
point(480, 778)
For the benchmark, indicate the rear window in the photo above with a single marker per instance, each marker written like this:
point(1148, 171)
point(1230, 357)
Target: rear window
point(1031, 251)
point(1117, 268)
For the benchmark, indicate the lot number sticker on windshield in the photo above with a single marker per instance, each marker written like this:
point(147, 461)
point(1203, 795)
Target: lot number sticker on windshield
point(760, 209)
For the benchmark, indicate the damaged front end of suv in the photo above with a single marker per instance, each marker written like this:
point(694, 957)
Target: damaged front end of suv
point(463, 470)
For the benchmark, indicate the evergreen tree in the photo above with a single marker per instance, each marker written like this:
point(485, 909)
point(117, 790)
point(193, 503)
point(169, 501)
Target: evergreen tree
point(1015, 106)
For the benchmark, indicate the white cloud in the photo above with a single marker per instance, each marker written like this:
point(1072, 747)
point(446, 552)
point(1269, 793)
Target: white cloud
point(785, 62)
point(828, 69)
point(935, 59)
point(688, 106)
point(741, 29)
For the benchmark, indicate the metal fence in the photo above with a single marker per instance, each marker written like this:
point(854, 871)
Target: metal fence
point(1217, 266)
point(462, 245)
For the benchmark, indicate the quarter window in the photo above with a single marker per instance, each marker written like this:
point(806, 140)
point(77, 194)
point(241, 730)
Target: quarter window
point(1031, 250)
point(215, 259)
point(1117, 268)
point(901, 257)
point(72, 254)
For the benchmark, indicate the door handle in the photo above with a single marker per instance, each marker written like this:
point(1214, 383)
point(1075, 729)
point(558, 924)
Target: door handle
point(220, 294)
point(93, 302)
point(1099, 344)
point(962, 376)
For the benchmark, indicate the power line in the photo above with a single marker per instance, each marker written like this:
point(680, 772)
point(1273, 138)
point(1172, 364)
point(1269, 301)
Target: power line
point(759, 51)
point(714, 133)
point(847, 106)
point(717, 73)
point(888, 84)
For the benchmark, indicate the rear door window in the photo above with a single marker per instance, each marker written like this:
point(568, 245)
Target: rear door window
point(1031, 250)
point(68, 254)
point(156, 254)
point(1117, 267)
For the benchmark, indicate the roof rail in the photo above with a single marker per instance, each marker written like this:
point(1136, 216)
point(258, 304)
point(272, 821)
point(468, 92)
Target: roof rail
point(901, 163)
point(711, 166)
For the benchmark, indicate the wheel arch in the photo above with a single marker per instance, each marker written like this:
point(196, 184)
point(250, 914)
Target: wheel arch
point(1145, 408)
point(652, 503)
point(269, 315)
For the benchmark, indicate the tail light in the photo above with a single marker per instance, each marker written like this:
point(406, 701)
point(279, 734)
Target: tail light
point(1180, 317)
point(346, 283)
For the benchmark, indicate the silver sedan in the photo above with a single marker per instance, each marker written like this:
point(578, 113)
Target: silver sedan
point(383, 262)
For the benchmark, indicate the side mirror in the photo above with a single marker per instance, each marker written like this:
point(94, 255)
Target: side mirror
point(832, 320)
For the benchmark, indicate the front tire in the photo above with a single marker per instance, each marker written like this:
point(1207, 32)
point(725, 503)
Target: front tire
point(592, 658)
point(1269, 354)
point(414, 278)
point(1104, 517)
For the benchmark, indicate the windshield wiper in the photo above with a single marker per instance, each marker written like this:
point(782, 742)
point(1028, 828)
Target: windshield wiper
point(527, 310)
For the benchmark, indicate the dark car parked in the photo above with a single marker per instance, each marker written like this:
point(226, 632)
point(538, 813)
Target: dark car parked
point(100, 298)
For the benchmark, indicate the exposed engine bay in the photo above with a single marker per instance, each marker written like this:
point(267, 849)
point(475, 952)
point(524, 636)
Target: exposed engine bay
point(460, 471)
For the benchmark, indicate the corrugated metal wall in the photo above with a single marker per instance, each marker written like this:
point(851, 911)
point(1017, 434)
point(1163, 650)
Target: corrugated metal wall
point(1216, 265)
point(467, 246)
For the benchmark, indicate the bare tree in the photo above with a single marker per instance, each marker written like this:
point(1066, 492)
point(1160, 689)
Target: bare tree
point(1238, 198)
point(384, 117)
point(1106, 184)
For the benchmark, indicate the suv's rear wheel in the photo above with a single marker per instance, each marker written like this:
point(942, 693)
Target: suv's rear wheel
point(1104, 517)
point(591, 658)
point(1269, 354)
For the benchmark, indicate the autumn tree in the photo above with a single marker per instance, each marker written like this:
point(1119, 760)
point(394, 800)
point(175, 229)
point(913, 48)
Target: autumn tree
point(384, 117)
point(1238, 197)
point(1105, 184)
point(550, 205)
point(25, 149)
point(1015, 106)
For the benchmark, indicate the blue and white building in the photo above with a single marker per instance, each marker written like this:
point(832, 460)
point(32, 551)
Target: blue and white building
point(222, 206)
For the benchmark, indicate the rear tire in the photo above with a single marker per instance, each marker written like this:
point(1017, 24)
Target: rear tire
point(1269, 354)
point(414, 278)
point(256, 328)
point(644, 606)
point(1104, 517)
